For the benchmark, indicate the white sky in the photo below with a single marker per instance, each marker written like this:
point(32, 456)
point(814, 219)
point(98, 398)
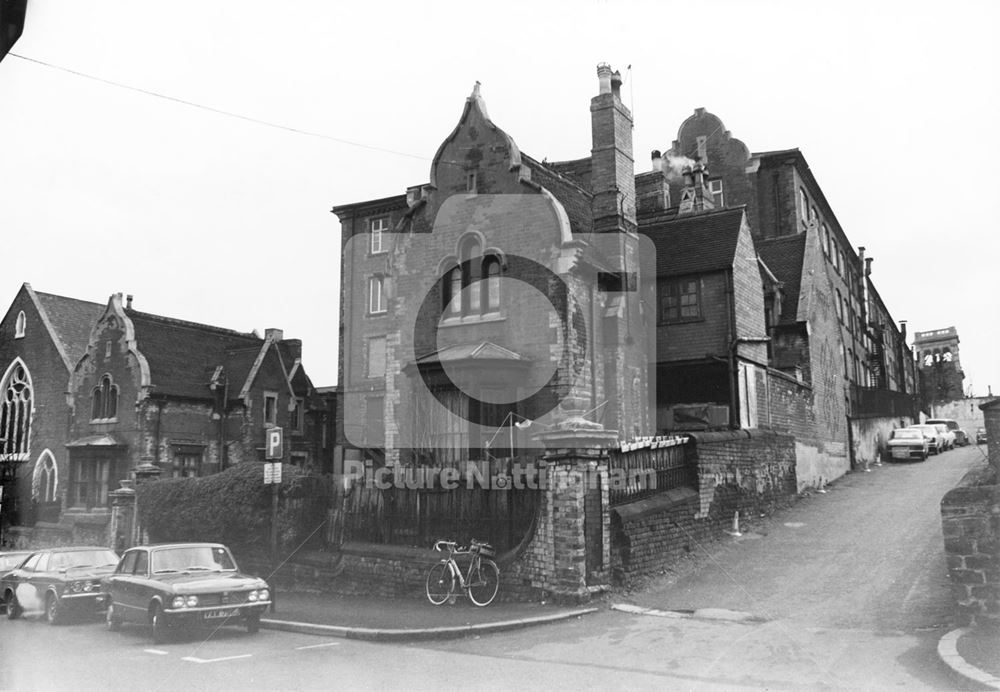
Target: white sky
point(215, 219)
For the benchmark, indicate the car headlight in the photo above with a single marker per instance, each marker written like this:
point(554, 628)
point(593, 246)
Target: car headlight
point(178, 602)
point(76, 586)
point(192, 601)
point(88, 586)
point(264, 594)
point(252, 596)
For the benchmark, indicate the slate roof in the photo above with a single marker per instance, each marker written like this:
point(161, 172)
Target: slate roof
point(578, 170)
point(71, 319)
point(574, 198)
point(695, 243)
point(784, 257)
point(183, 355)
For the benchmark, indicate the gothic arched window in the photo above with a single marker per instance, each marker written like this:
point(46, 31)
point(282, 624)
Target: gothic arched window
point(15, 411)
point(45, 480)
point(105, 400)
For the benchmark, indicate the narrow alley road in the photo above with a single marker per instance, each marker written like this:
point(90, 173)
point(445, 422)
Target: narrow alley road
point(851, 587)
point(866, 554)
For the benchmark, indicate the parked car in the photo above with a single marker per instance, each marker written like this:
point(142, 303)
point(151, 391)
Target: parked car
point(173, 585)
point(981, 436)
point(948, 435)
point(961, 438)
point(934, 436)
point(8, 561)
point(58, 580)
point(907, 443)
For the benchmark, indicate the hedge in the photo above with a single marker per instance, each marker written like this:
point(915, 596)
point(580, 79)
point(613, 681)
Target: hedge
point(234, 507)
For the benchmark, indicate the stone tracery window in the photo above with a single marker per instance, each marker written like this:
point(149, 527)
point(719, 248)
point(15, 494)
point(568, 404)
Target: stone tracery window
point(104, 403)
point(15, 412)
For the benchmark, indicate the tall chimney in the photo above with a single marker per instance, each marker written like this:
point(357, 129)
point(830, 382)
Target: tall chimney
point(128, 302)
point(657, 160)
point(612, 178)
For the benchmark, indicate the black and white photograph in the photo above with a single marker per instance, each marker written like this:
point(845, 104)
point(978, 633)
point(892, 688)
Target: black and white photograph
point(597, 345)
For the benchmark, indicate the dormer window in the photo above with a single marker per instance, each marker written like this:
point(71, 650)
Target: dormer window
point(104, 402)
point(19, 325)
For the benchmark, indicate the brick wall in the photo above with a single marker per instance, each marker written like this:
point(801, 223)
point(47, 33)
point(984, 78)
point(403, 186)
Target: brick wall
point(970, 522)
point(49, 377)
point(752, 472)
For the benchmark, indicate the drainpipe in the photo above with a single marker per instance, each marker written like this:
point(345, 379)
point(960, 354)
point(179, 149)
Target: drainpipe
point(731, 356)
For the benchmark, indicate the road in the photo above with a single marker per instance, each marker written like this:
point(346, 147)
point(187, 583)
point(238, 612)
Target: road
point(850, 588)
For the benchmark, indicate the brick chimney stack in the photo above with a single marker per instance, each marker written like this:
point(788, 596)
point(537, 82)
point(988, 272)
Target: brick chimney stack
point(696, 197)
point(612, 167)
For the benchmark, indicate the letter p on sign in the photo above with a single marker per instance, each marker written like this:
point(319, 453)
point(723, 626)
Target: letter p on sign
point(275, 448)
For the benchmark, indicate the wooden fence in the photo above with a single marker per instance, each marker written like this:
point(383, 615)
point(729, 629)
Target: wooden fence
point(646, 468)
point(491, 501)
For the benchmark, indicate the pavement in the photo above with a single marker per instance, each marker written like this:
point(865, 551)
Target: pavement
point(973, 654)
point(399, 619)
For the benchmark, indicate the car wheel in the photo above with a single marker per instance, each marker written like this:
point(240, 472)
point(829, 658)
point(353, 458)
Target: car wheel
point(112, 619)
point(53, 611)
point(14, 609)
point(253, 623)
point(158, 624)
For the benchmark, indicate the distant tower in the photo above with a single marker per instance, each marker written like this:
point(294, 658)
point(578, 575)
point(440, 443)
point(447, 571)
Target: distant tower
point(941, 376)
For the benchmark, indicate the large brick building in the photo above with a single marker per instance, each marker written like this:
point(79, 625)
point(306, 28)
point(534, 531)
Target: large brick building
point(452, 293)
point(110, 390)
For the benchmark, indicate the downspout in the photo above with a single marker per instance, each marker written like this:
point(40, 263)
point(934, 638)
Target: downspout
point(731, 356)
point(156, 434)
point(223, 419)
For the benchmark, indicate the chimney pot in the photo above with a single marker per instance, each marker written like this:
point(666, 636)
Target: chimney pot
point(604, 78)
point(616, 83)
point(128, 302)
point(657, 160)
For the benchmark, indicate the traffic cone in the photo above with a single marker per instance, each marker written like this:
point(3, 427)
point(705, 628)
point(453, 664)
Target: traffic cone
point(736, 525)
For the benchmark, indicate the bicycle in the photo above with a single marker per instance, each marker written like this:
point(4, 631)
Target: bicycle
point(480, 583)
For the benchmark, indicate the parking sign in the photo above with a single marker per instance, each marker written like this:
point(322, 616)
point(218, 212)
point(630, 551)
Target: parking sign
point(275, 446)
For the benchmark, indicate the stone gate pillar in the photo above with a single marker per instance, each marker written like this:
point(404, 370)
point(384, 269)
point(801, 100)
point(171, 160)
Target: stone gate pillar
point(575, 527)
point(122, 528)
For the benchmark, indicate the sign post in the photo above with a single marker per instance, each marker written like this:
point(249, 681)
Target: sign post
point(274, 451)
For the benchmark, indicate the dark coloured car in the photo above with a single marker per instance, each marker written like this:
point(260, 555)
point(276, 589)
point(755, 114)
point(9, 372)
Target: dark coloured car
point(8, 561)
point(183, 584)
point(981, 436)
point(58, 581)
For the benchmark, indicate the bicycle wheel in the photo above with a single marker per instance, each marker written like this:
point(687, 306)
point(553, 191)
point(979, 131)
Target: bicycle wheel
point(440, 583)
point(484, 583)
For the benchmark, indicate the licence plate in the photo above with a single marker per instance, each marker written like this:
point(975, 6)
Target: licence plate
point(900, 453)
point(219, 613)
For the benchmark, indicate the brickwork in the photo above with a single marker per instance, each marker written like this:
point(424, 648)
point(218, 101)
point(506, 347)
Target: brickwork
point(49, 376)
point(970, 522)
point(752, 472)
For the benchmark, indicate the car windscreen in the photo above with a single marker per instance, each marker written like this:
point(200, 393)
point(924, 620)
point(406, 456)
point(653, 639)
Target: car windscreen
point(81, 559)
point(11, 561)
point(191, 558)
point(907, 435)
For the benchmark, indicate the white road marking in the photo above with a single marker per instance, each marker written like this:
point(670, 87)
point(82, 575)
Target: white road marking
point(316, 646)
point(158, 652)
point(195, 659)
